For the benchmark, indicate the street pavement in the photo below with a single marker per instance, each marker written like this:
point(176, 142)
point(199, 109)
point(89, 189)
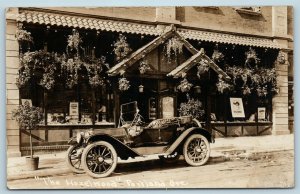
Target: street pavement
point(223, 149)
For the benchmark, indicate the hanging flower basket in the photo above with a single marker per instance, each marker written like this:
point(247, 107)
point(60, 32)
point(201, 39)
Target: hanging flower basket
point(74, 40)
point(143, 67)
point(281, 58)
point(223, 86)
point(202, 68)
point(217, 56)
point(122, 48)
point(23, 36)
point(94, 69)
point(123, 84)
point(184, 85)
point(246, 90)
point(251, 57)
point(262, 91)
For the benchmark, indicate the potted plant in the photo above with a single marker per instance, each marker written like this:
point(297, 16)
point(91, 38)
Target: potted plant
point(191, 108)
point(28, 118)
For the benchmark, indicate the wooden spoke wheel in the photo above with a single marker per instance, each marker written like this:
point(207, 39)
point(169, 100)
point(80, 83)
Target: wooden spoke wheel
point(196, 150)
point(74, 158)
point(99, 159)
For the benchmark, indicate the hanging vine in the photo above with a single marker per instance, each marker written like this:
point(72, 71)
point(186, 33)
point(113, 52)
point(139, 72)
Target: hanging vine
point(262, 80)
point(173, 47)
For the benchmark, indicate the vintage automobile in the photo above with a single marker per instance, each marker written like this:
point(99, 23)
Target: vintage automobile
point(97, 153)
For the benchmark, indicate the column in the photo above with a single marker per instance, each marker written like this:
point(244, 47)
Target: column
point(280, 101)
point(12, 91)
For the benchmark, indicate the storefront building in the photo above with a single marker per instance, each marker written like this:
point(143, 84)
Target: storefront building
point(79, 65)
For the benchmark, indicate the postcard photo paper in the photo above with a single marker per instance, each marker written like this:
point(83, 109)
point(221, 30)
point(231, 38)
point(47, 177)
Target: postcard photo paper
point(149, 97)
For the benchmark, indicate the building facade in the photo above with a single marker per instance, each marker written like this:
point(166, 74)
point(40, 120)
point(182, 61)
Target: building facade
point(84, 63)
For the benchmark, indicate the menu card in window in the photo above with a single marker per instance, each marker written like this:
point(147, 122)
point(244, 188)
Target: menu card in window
point(261, 113)
point(74, 110)
point(237, 108)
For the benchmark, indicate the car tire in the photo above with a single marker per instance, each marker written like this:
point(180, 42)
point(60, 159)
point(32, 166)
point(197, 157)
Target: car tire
point(99, 159)
point(169, 159)
point(196, 150)
point(74, 160)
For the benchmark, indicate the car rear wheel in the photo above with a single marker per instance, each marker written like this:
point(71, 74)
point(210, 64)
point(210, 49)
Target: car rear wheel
point(99, 159)
point(196, 150)
point(74, 158)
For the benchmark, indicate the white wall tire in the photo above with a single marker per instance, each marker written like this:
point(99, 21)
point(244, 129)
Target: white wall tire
point(196, 150)
point(99, 159)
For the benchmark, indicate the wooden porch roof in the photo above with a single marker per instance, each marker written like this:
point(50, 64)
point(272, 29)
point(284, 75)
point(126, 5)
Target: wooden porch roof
point(177, 72)
point(199, 57)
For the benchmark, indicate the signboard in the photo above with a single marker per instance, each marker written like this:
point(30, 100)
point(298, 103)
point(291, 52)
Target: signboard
point(167, 107)
point(74, 110)
point(237, 108)
point(261, 113)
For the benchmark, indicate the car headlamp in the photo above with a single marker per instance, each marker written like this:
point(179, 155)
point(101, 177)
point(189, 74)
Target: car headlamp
point(87, 134)
point(79, 137)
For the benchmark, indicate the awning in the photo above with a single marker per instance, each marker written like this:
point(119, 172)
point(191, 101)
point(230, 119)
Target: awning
point(54, 19)
point(227, 38)
point(46, 18)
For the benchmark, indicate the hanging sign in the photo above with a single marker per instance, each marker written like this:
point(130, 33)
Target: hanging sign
point(74, 110)
point(237, 108)
point(261, 113)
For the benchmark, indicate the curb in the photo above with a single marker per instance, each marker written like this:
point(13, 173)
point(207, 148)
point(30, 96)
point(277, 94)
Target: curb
point(34, 174)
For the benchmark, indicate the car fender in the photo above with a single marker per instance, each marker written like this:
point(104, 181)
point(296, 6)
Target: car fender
point(181, 139)
point(122, 150)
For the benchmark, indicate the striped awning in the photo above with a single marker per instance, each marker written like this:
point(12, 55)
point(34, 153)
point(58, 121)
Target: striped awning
point(45, 18)
point(227, 38)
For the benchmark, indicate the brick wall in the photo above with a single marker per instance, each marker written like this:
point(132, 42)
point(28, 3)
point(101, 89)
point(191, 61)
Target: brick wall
point(133, 13)
point(12, 92)
point(227, 19)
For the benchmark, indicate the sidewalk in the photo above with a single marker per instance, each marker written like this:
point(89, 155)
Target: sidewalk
point(223, 149)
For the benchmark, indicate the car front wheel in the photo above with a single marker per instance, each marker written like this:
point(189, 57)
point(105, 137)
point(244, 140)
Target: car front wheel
point(99, 159)
point(74, 158)
point(196, 150)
